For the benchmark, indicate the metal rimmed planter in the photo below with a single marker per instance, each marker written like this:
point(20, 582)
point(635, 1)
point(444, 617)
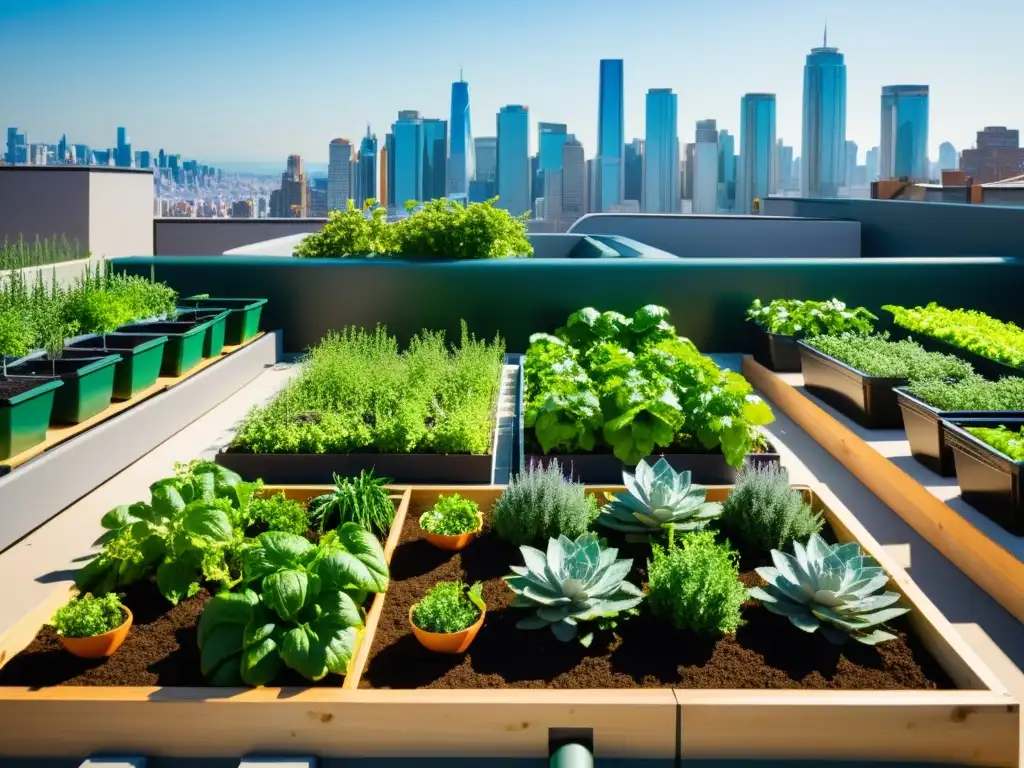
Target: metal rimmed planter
point(25, 416)
point(775, 351)
point(868, 400)
point(139, 366)
point(88, 385)
point(926, 434)
point(243, 321)
point(185, 341)
point(990, 481)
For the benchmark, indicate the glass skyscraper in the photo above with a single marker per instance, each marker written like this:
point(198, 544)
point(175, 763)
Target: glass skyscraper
point(407, 157)
point(726, 170)
point(367, 185)
point(123, 154)
point(435, 149)
point(461, 156)
point(661, 186)
point(611, 136)
point(551, 138)
point(514, 159)
point(756, 169)
point(823, 166)
point(904, 151)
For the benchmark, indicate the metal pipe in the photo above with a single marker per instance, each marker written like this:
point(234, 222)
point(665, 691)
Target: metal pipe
point(572, 755)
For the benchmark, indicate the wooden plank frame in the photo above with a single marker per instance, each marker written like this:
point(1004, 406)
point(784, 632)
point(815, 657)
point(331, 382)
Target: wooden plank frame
point(989, 565)
point(977, 724)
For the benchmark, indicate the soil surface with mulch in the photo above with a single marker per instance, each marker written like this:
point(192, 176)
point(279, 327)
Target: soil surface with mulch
point(12, 387)
point(161, 650)
point(643, 652)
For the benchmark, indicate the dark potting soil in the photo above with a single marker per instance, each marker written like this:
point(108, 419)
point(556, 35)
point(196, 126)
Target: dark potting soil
point(643, 652)
point(161, 650)
point(15, 386)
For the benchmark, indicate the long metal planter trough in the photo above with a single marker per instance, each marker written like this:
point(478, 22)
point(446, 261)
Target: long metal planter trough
point(72, 461)
point(975, 723)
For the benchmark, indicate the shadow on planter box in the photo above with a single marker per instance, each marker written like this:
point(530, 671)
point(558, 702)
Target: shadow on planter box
point(868, 400)
point(989, 480)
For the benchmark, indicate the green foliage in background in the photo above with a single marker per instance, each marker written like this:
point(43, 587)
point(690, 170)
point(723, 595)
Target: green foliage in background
point(878, 356)
point(21, 254)
point(965, 328)
point(358, 391)
point(798, 317)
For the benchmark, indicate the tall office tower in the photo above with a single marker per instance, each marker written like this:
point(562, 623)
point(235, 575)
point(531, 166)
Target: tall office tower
point(633, 186)
point(461, 157)
point(785, 163)
point(318, 207)
point(705, 168)
point(293, 200)
point(574, 182)
point(871, 161)
point(484, 184)
point(755, 169)
point(536, 180)
point(17, 147)
point(949, 160)
point(824, 122)
point(366, 186)
point(514, 159)
point(611, 136)
point(82, 154)
point(385, 166)
point(435, 159)
point(339, 175)
point(123, 157)
point(904, 152)
point(142, 159)
point(408, 158)
point(63, 149)
point(550, 139)
point(686, 180)
point(996, 156)
point(726, 170)
point(592, 179)
point(850, 163)
point(661, 191)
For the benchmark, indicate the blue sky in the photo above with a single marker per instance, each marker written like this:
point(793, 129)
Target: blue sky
point(229, 80)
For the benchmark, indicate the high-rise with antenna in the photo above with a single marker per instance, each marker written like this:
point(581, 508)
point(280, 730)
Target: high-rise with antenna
point(823, 156)
point(461, 160)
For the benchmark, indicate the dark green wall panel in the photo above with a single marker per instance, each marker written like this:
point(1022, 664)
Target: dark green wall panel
point(707, 297)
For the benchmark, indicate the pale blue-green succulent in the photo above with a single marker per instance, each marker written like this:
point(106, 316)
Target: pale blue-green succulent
point(575, 582)
point(655, 500)
point(832, 589)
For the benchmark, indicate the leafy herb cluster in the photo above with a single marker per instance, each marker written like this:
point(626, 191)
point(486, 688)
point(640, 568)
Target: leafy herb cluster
point(364, 500)
point(21, 254)
point(879, 356)
point(451, 516)
point(541, 503)
point(763, 512)
point(632, 384)
point(88, 616)
point(440, 229)
point(449, 607)
point(1007, 441)
point(357, 391)
point(965, 328)
point(799, 317)
point(971, 394)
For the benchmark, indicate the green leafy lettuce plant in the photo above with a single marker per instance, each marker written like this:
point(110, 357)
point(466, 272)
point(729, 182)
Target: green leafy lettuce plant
point(965, 328)
point(576, 582)
point(832, 589)
point(449, 607)
point(88, 616)
point(192, 530)
point(694, 583)
point(300, 608)
point(632, 385)
point(658, 499)
point(1009, 442)
point(540, 503)
point(364, 500)
point(878, 356)
point(971, 394)
point(451, 516)
point(764, 512)
point(279, 513)
point(798, 317)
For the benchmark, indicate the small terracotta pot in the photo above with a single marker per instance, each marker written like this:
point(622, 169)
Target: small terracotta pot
point(442, 642)
point(99, 646)
point(451, 543)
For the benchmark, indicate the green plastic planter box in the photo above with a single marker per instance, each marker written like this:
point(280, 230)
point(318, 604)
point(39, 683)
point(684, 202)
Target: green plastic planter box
point(24, 417)
point(184, 348)
point(244, 320)
point(213, 344)
point(141, 359)
point(88, 385)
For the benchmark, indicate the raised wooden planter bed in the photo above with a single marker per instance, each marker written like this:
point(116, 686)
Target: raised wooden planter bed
point(977, 723)
point(401, 468)
point(989, 480)
point(926, 434)
point(991, 566)
point(775, 351)
point(40, 481)
point(868, 400)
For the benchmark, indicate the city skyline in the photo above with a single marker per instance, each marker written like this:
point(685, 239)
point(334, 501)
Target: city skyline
point(966, 92)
